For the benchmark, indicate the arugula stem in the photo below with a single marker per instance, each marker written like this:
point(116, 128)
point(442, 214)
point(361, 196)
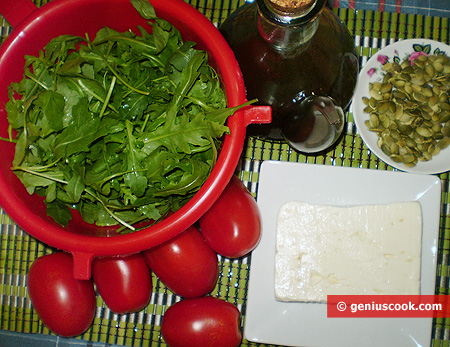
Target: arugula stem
point(81, 89)
point(19, 155)
point(125, 224)
point(144, 125)
point(124, 39)
point(105, 60)
point(36, 80)
point(36, 168)
point(190, 184)
point(10, 139)
point(215, 152)
point(130, 143)
point(137, 220)
point(147, 117)
point(153, 59)
point(37, 173)
point(85, 190)
point(140, 84)
point(123, 81)
point(108, 96)
point(110, 177)
point(195, 101)
point(173, 134)
point(32, 92)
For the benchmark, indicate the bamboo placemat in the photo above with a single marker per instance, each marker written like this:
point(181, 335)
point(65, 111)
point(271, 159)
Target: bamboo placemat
point(372, 30)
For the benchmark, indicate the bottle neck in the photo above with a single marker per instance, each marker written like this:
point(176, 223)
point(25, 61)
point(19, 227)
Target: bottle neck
point(286, 32)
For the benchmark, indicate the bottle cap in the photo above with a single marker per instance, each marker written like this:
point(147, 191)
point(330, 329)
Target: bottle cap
point(292, 6)
point(288, 12)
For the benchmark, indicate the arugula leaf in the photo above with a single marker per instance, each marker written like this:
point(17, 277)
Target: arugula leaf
point(135, 178)
point(145, 9)
point(59, 211)
point(75, 188)
point(77, 136)
point(52, 104)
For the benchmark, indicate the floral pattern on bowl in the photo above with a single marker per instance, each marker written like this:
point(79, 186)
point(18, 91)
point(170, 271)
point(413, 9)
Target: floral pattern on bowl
point(418, 50)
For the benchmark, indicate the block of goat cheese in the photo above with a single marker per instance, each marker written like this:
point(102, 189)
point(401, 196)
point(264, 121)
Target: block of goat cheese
point(365, 249)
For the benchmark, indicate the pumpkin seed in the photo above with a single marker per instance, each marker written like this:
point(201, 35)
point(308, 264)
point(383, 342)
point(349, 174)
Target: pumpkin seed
point(398, 94)
point(386, 150)
point(427, 92)
point(387, 77)
point(422, 58)
point(410, 108)
point(418, 96)
point(395, 134)
point(446, 131)
point(383, 106)
point(385, 88)
point(438, 66)
point(373, 103)
point(436, 127)
point(408, 88)
point(427, 156)
point(445, 106)
point(444, 117)
point(436, 150)
point(409, 158)
point(398, 83)
point(368, 109)
point(373, 121)
point(376, 94)
point(406, 63)
point(444, 143)
point(406, 119)
point(394, 148)
point(397, 158)
point(387, 67)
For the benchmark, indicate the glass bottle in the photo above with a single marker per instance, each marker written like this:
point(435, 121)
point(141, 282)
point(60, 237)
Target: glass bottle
point(298, 57)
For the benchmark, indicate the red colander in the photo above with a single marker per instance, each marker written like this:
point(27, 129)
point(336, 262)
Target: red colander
point(33, 29)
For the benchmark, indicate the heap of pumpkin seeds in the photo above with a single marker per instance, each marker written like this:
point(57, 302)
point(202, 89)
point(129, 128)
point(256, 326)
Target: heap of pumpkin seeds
point(410, 108)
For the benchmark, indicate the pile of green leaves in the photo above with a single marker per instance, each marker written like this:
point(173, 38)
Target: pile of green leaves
point(124, 128)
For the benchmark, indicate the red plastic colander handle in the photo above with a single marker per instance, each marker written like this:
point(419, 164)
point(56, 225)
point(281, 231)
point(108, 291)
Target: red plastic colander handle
point(16, 10)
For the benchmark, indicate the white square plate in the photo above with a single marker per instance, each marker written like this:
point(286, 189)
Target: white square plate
point(306, 324)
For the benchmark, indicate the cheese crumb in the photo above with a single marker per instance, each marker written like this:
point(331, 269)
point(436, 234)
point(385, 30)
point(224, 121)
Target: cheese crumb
point(368, 249)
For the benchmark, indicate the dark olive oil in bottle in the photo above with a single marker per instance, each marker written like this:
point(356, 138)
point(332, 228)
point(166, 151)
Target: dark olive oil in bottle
point(299, 58)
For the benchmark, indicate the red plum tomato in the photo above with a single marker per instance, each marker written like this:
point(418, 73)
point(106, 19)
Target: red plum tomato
point(123, 282)
point(64, 304)
point(202, 322)
point(185, 264)
point(232, 226)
